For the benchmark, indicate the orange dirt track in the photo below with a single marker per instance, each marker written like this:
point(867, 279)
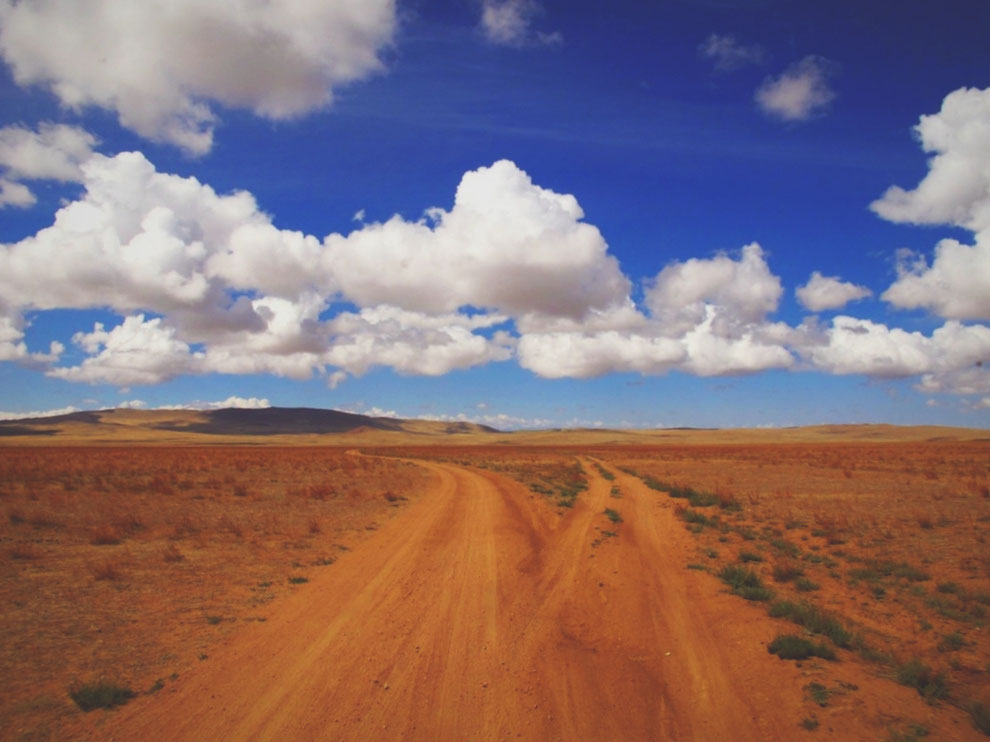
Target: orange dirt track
point(476, 615)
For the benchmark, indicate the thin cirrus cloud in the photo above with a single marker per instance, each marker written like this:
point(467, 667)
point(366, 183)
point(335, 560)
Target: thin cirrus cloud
point(800, 93)
point(161, 65)
point(205, 283)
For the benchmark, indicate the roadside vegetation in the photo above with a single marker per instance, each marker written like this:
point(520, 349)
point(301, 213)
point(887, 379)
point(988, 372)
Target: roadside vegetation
point(858, 548)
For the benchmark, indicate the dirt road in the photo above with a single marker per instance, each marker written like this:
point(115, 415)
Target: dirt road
point(481, 614)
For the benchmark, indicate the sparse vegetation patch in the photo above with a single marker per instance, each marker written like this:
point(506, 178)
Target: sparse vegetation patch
point(102, 694)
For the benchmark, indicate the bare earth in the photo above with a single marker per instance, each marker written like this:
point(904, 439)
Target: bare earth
point(472, 618)
point(480, 609)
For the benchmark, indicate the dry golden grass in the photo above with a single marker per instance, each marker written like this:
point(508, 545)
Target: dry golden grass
point(113, 559)
point(130, 563)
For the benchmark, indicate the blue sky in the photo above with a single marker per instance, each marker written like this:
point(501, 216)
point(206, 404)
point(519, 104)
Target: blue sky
point(520, 212)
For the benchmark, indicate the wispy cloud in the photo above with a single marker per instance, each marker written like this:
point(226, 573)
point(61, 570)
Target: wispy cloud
point(510, 22)
point(728, 54)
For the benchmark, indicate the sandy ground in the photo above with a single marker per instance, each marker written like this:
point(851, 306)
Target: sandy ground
point(480, 614)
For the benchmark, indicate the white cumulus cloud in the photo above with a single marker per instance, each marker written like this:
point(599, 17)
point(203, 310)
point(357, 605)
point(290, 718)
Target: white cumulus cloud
point(137, 351)
point(828, 292)
point(7, 415)
point(800, 92)
point(507, 244)
point(737, 292)
point(162, 64)
point(956, 284)
point(412, 342)
point(859, 346)
point(955, 191)
point(707, 317)
point(53, 152)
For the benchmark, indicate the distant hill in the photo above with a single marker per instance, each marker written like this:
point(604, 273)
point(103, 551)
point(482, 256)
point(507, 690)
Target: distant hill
point(291, 426)
point(231, 422)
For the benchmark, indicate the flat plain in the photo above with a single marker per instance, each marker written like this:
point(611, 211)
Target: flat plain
point(466, 584)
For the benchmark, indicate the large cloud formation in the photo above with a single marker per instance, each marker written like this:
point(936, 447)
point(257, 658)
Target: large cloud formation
point(160, 64)
point(205, 283)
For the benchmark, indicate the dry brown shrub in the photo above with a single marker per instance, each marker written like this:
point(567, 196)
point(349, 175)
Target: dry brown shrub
point(230, 526)
point(107, 569)
point(159, 485)
point(104, 535)
point(725, 501)
point(16, 516)
point(24, 551)
point(172, 554)
point(129, 522)
point(314, 526)
point(184, 527)
point(321, 492)
point(925, 521)
point(43, 519)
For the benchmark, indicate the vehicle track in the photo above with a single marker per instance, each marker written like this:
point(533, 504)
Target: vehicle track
point(477, 614)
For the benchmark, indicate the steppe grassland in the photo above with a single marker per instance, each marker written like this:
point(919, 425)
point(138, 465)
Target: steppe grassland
point(129, 563)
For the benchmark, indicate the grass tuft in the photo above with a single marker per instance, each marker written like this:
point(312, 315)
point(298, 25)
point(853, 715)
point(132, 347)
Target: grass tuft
point(744, 582)
point(791, 647)
point(952, 642)
point(100, 695)
point(814, 619)
point(108, 569)
point(979, 714)
point(916, 674)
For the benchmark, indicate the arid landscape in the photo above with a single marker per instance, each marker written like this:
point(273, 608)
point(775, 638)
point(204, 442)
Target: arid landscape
point(460, 583)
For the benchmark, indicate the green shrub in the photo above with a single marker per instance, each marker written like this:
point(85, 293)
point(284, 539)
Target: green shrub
point(749, 556)
point(804, 585)
point(100, 695)
point(745, 582)
point(754, 593)
point(912, 734)
point(979, 714)
point(875, 570)
point(785, 571)
point(916, 674)
point(814, 619)
point(951, 642)
point(791, 647)
point(785, 547)
point(613, 515)
point(818, 693)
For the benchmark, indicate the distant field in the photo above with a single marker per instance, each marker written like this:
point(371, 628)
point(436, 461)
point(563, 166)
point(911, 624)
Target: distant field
point(157, 566)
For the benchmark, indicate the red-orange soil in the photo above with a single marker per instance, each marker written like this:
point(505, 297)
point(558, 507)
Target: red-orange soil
point(482, 608)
